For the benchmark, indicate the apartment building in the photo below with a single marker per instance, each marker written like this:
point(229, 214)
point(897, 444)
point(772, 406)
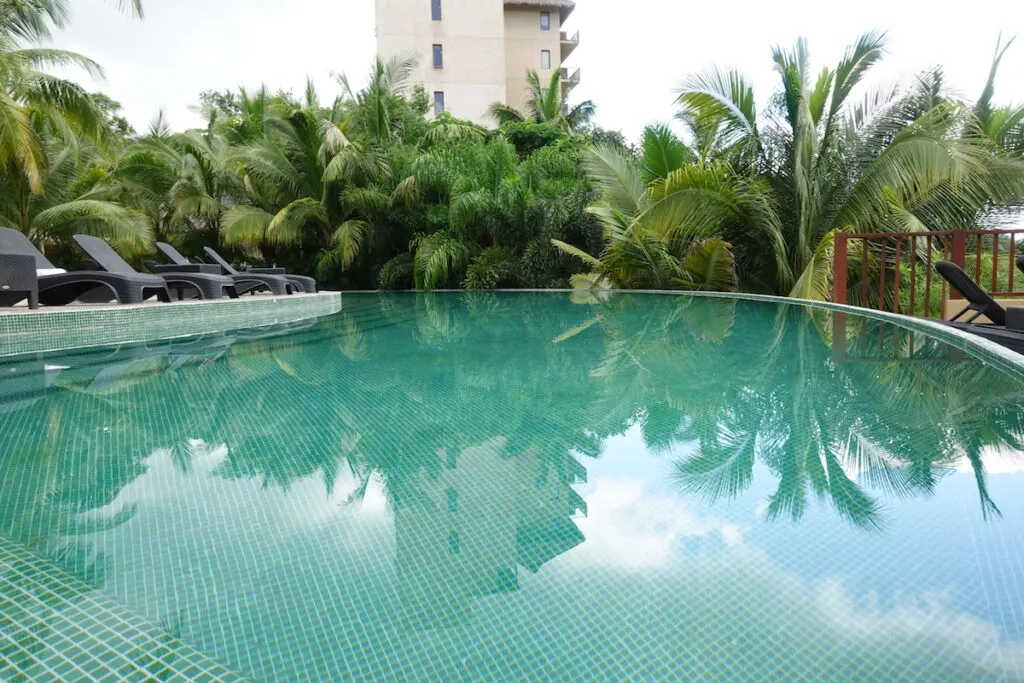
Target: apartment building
point(475, 52)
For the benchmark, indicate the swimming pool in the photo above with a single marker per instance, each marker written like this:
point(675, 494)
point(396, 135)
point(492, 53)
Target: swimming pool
point(518, 486)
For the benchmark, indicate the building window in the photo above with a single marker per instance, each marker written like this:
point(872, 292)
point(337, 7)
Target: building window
point(545, 21)
point(438, 103)
point(438, 56)
point(545, 59)
point(435, 10)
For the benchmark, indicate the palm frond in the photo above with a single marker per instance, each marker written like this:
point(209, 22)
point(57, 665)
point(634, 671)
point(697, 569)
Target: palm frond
point(709, 266)
point(291, 224)
point(348, 239)
point(663, 152)
point(439, 258)
point(504, 114)
point(616, 178)
point(577, 252)
point(128, 230)
point(815, 282)
point(723, 101)
point(491, 268)
point(244, 224)
point(397, 272)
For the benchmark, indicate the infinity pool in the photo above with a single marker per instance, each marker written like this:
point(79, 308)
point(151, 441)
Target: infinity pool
point(516, 486)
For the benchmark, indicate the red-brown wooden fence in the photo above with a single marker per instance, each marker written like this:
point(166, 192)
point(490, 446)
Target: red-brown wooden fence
point(908, 260)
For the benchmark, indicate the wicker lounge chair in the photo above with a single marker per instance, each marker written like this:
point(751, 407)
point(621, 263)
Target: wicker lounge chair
point(58, 287)
point(300, 283)
point(245, 283)
point(208, 286)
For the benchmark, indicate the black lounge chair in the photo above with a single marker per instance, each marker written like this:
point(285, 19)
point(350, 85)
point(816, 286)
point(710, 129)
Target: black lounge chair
point(977, 299)
point(982, 304)
point(305, 283)
point(300, 283)
point(244, 282)
point(58, 287)
point(181, 264)
point(208, 286)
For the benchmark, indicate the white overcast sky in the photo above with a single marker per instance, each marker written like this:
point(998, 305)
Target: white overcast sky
point(632, 54)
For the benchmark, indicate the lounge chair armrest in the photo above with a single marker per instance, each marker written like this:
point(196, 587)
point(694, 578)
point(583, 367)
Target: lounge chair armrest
point(266, 271)
point(208, 268)
point(1015, 318)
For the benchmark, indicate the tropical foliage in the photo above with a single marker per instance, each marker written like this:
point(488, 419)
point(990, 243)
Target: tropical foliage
point(546, 103)
point(771, 189)
point(365, 191)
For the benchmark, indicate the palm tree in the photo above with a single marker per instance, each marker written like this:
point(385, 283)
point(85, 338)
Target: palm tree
point(546, 104)
point(487, 211)
point(307, 187)
point(27, 92)
point(183, 182)
point(887, 162)
point(671, 224)
point(1003, 125)
point(372, 110)
point(73, 196)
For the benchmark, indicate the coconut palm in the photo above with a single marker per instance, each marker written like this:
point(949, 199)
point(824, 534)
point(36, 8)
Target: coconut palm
point(27, 92)
point(887, 162)
point(182, 181)
point(372, 110)
point(672, 224)
point(1003, 125)
point(546, 104)
point(72, 197)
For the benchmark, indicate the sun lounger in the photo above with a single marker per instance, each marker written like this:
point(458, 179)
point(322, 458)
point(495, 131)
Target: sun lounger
point(244, 282)
point(208, 286)
point(300, 283)
point(58, 287)
point(977, 299)
point(983, 305)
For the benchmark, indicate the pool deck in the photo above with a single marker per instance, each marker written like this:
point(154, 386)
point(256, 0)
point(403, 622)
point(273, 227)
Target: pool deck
point(60, 328)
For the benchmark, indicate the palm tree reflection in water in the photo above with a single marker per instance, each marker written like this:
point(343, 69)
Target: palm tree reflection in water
point(895, 413)
point(475, 412)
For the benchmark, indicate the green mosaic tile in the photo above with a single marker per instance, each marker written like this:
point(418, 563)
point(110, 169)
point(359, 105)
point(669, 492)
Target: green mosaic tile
point(53, 626)
point(71, 327)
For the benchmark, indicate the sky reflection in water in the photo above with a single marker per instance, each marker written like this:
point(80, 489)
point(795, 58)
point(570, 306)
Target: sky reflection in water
point(519, 485)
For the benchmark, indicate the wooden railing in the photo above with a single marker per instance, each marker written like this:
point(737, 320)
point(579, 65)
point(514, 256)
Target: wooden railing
point(896, 271)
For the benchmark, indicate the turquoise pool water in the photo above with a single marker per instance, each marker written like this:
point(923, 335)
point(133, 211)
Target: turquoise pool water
point(518, 486)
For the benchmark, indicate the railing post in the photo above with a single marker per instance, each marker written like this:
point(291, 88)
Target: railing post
point(839, 268)
point(959, 241)
point(839, 336)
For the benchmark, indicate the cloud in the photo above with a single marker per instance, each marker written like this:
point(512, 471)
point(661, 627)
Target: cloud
point(928, 617)
point(631, 57)
point(997, 461)
point(628, 524)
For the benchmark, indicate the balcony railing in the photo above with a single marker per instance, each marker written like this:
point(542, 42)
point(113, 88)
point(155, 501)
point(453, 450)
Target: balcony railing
point(570, 78)
point(896, 271)
point(569, 43)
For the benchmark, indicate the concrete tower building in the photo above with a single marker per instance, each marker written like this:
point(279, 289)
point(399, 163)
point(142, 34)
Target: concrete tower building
point(475, 52)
